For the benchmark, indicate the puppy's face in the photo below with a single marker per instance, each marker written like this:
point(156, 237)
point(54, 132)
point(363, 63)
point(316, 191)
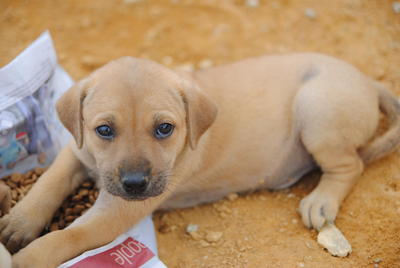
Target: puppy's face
point(134, 118)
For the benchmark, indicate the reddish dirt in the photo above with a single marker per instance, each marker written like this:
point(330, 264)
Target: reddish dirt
point(260, 229)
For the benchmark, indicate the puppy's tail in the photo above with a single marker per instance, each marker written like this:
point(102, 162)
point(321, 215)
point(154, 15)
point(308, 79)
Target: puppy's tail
point(390, 140)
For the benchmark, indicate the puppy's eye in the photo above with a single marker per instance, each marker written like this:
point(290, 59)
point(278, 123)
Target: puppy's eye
point(163, 130)
point(105, 132)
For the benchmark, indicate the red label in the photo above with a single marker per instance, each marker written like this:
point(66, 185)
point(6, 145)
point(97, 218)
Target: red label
point(130, 253)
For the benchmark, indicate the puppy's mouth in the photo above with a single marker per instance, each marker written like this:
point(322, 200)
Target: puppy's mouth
point(156, 186)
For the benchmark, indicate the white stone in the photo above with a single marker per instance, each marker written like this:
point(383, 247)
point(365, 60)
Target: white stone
point(187, 67)
point(252, 3)
point(331, 238)
point(206, 63)
point(132, 1)
point(232, 196)
point(310, 13)
point(213, 236)
point(396, 7)
point(192, 228)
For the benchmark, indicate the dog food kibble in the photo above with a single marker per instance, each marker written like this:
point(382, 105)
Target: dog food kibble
point(5, 198)
point(74, 206)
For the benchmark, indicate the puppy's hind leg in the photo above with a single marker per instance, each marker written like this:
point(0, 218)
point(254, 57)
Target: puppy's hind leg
point(341, 167)
point(333, 125)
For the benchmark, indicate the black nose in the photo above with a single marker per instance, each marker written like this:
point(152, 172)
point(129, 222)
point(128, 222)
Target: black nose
point(135, 182)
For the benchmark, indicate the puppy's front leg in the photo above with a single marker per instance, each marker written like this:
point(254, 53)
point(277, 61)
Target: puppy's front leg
point(27, 219)
point(108, 218)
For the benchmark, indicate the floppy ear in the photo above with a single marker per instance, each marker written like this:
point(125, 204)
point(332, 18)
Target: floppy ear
point(69, 109)
point(201, 112)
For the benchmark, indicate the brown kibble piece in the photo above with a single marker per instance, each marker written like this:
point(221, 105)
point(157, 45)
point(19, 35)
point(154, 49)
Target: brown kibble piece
point(5, 198)
point(26, 182)
point(14, 194)
point(12, 184)
point(87, 184)
point(29, 187)
point(16, 177)
point(92, 199)
point(61, 224)
point(75, 206)
point(83, 192)
point(76, 198)
point(70, 218)
point(54, 227)
point(68, 211)
point(78, 209)
point(39, 171)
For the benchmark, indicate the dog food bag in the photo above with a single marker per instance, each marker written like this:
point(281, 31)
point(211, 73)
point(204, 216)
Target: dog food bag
point(135, 248)
point(30, 132)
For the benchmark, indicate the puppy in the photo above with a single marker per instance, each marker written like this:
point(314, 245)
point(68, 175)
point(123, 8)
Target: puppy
point(157, 139)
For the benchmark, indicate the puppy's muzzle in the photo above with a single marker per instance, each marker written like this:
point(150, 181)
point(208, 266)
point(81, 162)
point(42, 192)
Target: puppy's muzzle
point(135, 182)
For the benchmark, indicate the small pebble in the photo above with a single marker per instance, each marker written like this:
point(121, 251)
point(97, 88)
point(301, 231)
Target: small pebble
point(263, 198)
point(213, 236)
point(377, 260)
point(167, 60)
point(331, 238)
point(232, 196)
point(204, 243)
point(310, 13)
point(301, 264)
point(85, 22)
point(187, 67)
point(252, 3)
point(132, 1)
point(307, 258)
point(206, 63)
point(196, 235)
point(308, 244)
point(192, 228)
point(396, 7)
point(90, 62)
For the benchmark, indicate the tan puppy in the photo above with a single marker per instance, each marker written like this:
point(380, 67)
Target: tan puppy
point(175, 140)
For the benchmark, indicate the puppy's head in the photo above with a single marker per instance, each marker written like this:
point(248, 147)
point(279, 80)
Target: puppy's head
point(134, 118)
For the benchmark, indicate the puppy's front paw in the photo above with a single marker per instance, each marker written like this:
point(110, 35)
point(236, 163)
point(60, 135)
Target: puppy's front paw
point(17, 229)
point(318, 208)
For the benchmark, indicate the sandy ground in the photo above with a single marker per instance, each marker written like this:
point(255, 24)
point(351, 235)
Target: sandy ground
point(260, 229)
